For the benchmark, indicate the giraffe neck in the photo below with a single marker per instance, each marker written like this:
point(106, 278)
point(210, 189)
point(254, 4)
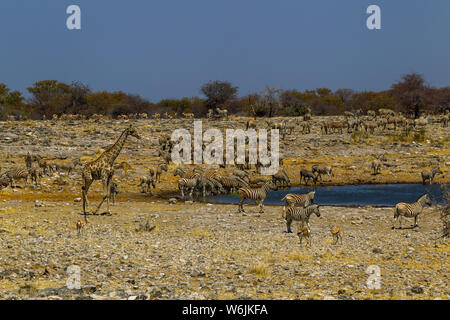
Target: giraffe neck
point(113, 152)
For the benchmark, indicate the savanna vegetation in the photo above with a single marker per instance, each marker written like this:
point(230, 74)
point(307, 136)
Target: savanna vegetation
point(410, 94)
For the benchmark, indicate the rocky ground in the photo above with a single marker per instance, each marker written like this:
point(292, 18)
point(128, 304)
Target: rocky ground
point(205, 251)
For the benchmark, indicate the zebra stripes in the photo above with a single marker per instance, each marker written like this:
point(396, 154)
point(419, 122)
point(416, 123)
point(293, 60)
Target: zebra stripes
point(300, 214)
point(258, 195)
point(187, 184)
point(410, 210)
point(302, 200)
point(17, 174)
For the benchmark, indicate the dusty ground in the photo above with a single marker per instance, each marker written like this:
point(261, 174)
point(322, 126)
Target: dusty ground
point(203, 251)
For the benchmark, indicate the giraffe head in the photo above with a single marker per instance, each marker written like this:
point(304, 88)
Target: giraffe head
point(132, 132)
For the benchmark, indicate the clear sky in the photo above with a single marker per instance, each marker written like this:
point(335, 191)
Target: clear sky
point(169, 48)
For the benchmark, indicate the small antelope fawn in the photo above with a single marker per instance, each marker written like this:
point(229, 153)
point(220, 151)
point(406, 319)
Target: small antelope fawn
point(81, 224)
point(336, 233)
point(304, 233)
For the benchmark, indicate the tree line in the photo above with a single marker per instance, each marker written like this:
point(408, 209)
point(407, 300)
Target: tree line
point(410, 95)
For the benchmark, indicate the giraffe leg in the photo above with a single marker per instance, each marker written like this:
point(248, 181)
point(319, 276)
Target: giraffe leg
point(84, 192)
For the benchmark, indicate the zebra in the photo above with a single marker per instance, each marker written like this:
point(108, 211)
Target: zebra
point(429, 175)
point(302, 200)
point(258, 195)
point(281, 176)
point(321, 169)
point(300, 214)
point(307, 175)
point(156, 171)
point(28, 160)
point(188, 184)
point(410, 210)
point(146, 183)
point(4, 181)
point(241, 174)
point(183, 174)
point(203, 182)
point(376, 166)
point(36, 173)
point(232, 183)
point(444, 120)
point(16, 174)
point(370, 126)
point(223, 113)
point(114, 191)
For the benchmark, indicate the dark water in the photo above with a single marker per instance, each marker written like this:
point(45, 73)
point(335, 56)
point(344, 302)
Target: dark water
point(375, 195)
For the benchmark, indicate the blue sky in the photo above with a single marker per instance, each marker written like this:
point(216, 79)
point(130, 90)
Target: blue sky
point(169, 48)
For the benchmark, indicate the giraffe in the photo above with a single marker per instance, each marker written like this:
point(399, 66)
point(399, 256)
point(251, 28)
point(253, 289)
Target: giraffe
point(102, 169)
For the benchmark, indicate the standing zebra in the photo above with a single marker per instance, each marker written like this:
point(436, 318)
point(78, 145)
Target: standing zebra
point(322, 169)
point(307, 175)
point(429, 175)
point(410, 210)
point(17, 174)
point(299, 200)
point(300, 214)
point(376, 166)
point(188, 184)
point(258, 195)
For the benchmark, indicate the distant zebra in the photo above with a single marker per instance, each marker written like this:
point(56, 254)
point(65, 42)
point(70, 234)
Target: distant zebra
point(156, 171)
point(410, 210)
point(17, 174)
point(36, 173)
point(376, 166)
point(114, 191)
point(429, 175)
point(187, 184)
point(299, 200)
point(444, 120)
point(282, 177)
point(322, 169)
point(4, 181)
point(183, 174)
point(300, 214)
point(258, 195)
point(307, 175)
point(232, 183)
point(146, 184)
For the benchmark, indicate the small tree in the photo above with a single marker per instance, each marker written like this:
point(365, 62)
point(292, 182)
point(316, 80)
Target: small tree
point(410, 93)
point(218, 93)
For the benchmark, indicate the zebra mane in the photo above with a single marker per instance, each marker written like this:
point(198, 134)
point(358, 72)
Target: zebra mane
point(422, 197)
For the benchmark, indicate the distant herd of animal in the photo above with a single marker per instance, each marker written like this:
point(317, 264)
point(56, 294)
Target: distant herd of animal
point(211, 182)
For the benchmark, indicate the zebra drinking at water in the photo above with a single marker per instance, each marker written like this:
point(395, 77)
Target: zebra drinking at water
point(410, 210)
point(185, 183)
point(258, 195)
point(281, 176)
point(300, 214)
point(429, 175)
